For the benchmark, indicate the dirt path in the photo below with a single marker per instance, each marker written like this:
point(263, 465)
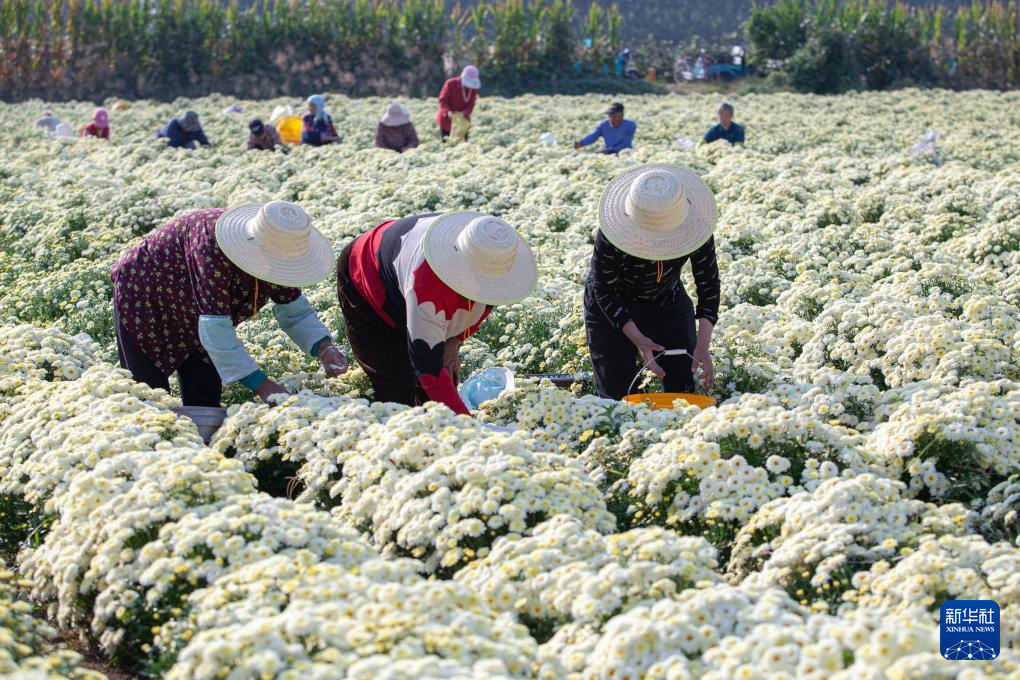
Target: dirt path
point(91, 659)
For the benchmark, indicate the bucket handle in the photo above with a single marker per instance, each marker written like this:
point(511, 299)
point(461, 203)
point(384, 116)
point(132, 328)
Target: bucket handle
point(665, 352)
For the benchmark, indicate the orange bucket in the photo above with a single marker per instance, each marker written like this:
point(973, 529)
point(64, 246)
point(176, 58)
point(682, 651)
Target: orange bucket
point(664, 400)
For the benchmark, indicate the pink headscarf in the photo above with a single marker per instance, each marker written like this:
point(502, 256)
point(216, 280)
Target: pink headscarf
point(101, 118)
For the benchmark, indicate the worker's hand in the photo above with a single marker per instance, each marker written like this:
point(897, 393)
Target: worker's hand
point(577, 145)
point(269, 388)
point(451, 358)
point(333, 361)
point(703, 358)
point(646, 347)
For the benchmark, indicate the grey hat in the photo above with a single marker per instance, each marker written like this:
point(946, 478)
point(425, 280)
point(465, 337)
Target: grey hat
point(48, 121)
point(189, 121)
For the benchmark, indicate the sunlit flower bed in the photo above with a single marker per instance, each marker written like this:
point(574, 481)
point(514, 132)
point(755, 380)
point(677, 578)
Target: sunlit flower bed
point(27, 643)
point(862, 467)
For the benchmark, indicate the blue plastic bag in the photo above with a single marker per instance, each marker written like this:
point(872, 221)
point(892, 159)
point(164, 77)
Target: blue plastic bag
point(485, 385)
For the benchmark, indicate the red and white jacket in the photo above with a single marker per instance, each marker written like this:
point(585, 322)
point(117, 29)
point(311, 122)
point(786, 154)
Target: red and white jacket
point(388, 268)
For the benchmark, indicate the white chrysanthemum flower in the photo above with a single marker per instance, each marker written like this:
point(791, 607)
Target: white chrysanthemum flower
point(310, 614)
point(27, 644)
point(564, 573)
point(418, 483)
point(866, 364)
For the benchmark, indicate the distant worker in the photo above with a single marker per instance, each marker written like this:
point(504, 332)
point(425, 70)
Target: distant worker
point(184, 131)
point(318, 124)
point(48, 122)
point(622, 57)
point(738, 55)
point(100, 125)
point(617, 132)
point(264, 137)
point(726, 128)
point(458, 96)
point(395, 130)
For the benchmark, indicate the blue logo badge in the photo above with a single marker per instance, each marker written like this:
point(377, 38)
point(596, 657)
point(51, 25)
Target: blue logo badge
point(970, 630)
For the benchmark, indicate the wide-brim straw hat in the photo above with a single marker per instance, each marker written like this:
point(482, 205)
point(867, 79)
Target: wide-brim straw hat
point(657, 212)
point(481, 257)
point(275, 242)
point(395, 115)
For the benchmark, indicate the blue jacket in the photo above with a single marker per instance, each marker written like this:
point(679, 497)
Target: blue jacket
point(616, 138)
point(735, 135)
point(181, 138)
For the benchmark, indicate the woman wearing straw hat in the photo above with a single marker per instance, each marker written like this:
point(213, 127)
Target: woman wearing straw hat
point(412, 290)
point(395, 130)
point(653, 220)
point(179, 294)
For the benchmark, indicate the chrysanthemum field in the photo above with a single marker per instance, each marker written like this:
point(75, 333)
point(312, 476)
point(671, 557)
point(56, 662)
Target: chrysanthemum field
point(862, 468)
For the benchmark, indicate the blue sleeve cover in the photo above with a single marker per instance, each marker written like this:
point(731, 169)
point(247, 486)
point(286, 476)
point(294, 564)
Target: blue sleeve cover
point(254, 381)
point(219, 338)
point(299, 321)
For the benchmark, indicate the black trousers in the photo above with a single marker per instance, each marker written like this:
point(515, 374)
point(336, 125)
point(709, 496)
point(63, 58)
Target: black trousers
point(615, 358)
point(380, 350)
point(200, 383)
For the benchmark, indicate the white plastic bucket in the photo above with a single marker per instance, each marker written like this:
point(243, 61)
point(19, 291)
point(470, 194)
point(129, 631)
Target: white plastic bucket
point(207, 419)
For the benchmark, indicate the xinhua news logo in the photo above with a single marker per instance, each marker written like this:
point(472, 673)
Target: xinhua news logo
point(970, 630)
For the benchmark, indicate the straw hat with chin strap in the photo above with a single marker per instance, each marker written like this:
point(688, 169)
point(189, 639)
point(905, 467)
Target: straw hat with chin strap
point(481, 257)
point(275, 242)
point(657, 212)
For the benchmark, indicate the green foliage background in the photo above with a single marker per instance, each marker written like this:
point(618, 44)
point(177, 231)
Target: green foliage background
point(80, 49)
point(94, 49)
point(829, 46)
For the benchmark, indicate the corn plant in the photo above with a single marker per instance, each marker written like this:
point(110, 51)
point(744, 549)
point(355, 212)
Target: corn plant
point(988, 45)
point(81, 48)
